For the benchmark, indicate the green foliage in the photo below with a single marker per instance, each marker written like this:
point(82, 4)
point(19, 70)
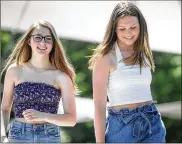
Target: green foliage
point(173, 128)
point(78, 53)
point(81, 133)
point(166, 84)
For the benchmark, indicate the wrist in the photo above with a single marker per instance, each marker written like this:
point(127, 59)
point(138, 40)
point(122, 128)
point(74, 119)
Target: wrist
point(45, 115)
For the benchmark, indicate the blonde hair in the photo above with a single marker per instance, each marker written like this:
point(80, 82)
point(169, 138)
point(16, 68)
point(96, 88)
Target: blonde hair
point(142, 51)
point(22, 52)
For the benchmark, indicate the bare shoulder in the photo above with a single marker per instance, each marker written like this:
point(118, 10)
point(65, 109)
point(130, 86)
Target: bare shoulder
point(12, 73)
point(13, 67)
point(102, 61)
point(107, 61)
point(62, 78)
point(13, 70)
point(60, 74)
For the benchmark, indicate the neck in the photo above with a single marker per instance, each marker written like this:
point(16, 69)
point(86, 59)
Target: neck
point(40, 62)
point(124, 47)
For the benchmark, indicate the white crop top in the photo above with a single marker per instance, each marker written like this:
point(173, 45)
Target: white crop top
point(126, 85)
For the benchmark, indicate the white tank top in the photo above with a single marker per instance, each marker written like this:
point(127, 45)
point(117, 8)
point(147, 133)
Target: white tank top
point(126, 85)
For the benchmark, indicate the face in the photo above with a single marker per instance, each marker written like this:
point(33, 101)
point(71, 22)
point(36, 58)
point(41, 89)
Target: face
point(127, 30)
point(41, 41)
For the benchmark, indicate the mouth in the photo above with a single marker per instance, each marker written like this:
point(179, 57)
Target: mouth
point(129, 38)
point(41, 48)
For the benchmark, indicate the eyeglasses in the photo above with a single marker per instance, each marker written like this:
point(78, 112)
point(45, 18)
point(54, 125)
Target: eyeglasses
point(38, 38)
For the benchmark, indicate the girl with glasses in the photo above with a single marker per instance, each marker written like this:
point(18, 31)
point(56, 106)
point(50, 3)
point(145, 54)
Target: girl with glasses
point(122, 66)
point(38, 77)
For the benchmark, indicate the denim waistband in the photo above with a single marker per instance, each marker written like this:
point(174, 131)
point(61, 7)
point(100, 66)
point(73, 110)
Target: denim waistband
point(137, 115)
point(23, 125)
point(27, 132)
point(31, 125)
point(143, 108)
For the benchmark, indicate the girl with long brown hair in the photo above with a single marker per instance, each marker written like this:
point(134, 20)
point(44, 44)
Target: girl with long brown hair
point(38, 76)
point(122, 66)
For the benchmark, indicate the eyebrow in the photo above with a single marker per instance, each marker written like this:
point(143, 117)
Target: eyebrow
point(41, 34)
point(131, 25)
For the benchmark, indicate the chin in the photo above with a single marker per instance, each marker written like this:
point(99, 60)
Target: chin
point(128, 43)
point(43, 54)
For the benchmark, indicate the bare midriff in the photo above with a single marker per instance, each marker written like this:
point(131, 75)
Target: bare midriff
point(30, 122)
point(133, 105)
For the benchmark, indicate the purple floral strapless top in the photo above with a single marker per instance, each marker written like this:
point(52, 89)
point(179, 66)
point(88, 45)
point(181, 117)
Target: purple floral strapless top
point(38, 96)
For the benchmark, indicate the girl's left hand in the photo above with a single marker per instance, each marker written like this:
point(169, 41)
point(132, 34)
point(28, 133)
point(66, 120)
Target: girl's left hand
point(33, 115)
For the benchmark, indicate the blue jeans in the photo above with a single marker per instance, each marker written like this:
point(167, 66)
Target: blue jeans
point(142, 124)
point(21, 132)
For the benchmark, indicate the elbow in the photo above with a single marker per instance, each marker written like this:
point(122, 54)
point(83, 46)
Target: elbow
point(73, 124)
point(70, 121)
point(5, 110)
point(73, 121)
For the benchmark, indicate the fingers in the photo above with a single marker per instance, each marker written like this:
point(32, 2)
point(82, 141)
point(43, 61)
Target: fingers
point(29, 114)
point(27, 111)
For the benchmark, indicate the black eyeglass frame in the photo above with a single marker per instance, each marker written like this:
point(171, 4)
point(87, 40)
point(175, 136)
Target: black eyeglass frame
point(42, 37)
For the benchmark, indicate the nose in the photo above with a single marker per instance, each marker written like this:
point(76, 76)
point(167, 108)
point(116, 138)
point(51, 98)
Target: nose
point(128, 33)
point(43, 41)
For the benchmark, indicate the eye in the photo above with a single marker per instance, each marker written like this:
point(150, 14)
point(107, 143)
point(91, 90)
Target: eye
point(121, 29)
point(133, 27)
point(37, 38)
point(49, 39)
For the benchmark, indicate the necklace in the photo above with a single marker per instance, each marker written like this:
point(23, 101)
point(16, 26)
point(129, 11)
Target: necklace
point(37, 70)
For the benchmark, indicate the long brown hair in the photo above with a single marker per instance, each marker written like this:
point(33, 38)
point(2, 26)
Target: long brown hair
point(142, 49)
point(22, 52)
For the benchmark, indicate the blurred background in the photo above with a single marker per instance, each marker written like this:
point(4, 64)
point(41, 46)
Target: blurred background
point(81, 27)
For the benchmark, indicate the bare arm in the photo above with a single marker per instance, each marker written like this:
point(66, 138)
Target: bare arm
point(68, 101)
point(100, 81)
point(7, 99)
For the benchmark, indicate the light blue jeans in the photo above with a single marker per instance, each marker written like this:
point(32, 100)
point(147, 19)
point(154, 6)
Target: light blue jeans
point(142, 124)
point(21, 132)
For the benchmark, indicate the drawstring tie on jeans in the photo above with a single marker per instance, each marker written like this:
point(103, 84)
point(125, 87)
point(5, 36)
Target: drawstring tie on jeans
point(139, 120)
